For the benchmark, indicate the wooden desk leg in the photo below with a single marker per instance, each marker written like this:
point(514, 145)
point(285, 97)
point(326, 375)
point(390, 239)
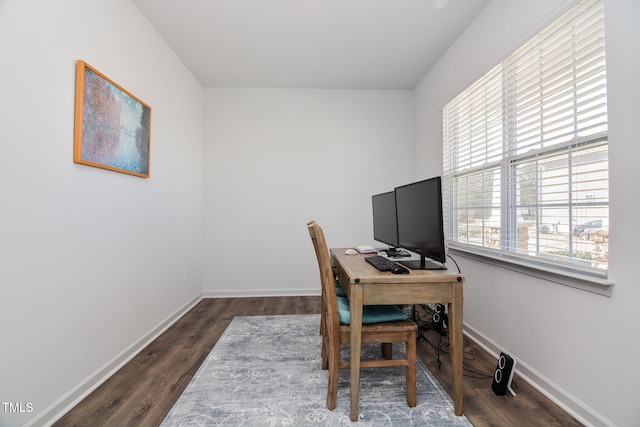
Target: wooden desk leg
point(355, 306)
point(455, 328)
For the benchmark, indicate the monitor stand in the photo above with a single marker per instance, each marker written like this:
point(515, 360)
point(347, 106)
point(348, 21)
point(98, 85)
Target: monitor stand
point(393, 252)
point(423, 264)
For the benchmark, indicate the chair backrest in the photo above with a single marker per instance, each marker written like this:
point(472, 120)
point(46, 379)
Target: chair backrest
point(329, 297)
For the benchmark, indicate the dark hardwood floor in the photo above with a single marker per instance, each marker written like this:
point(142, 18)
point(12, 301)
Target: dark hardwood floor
point(143, 391)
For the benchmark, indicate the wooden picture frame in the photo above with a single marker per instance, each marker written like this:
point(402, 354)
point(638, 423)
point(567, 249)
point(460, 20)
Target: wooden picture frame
point(112, 127)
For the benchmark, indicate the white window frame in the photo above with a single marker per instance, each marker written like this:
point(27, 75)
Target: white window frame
point(484, 137)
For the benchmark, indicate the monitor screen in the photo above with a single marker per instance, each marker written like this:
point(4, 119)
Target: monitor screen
point(420, 227)
point(384, 218)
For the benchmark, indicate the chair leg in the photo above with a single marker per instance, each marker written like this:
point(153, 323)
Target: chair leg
point(387, 350)
point(334, 373)
point(411, 370)
point(325, 359)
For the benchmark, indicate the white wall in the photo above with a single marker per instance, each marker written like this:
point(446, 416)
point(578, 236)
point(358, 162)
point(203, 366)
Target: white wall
point(91, 261)
point(579, 347)
point(277, 158)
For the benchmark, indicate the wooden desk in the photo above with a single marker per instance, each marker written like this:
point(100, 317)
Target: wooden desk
point(365, 285)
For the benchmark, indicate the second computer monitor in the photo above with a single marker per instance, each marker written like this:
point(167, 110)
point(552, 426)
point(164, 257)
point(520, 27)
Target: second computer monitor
point(384, 218)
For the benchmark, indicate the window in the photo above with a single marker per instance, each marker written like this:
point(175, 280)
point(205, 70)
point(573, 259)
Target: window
point(525, 175)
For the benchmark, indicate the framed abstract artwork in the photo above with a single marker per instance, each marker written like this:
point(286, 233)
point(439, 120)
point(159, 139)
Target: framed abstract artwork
point(112, 127)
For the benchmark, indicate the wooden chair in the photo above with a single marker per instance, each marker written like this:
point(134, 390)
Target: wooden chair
point(386, 348)
point(323, 332)
point(336, 332)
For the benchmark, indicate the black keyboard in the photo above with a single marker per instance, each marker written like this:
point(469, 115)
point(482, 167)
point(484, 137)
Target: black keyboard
point(381, 263)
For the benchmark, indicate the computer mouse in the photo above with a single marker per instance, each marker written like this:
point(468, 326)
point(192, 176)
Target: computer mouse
point(398, 269)
point(350, 252)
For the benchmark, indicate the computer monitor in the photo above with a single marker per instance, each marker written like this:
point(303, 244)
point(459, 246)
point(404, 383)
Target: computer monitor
point(385, 228)
point(420, 225)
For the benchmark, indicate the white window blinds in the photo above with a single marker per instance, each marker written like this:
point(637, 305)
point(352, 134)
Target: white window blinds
point(525, 171)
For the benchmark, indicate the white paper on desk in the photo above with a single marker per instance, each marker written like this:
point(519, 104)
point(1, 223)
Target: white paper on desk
point(364, 249)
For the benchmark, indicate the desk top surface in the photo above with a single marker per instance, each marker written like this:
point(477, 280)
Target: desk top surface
point(357, 268)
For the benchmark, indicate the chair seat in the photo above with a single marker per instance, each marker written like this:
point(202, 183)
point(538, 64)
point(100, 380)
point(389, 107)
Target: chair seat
point(370, 313)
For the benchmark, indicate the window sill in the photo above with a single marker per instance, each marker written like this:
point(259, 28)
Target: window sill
point(595, 284)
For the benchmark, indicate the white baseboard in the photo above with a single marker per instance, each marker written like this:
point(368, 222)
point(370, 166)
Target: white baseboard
point(61, 406)
point(578, 409)
point(261, 293)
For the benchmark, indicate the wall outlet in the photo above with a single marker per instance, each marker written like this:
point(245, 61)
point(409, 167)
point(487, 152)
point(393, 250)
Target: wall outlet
point(186, 275)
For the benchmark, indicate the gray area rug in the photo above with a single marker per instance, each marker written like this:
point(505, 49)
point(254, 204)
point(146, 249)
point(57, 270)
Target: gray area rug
point(265, 371)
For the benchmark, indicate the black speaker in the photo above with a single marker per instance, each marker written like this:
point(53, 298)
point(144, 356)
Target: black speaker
point(440, 320)
point(504, 375)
